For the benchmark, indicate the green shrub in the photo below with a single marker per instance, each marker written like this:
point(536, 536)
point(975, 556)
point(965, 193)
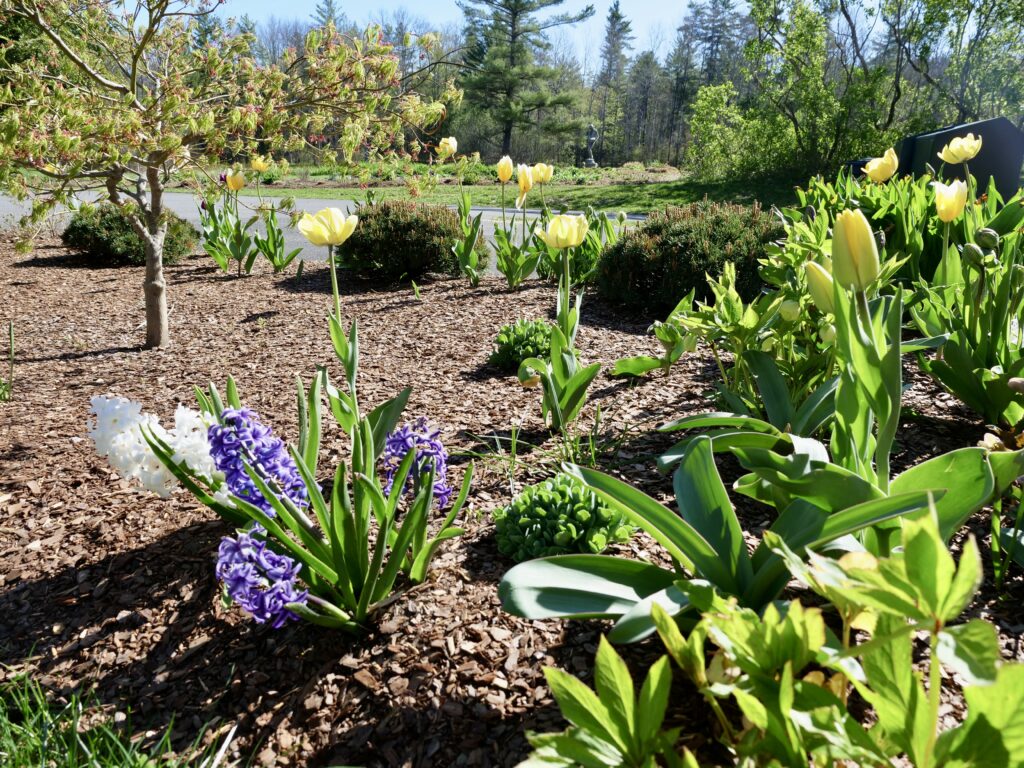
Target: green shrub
point(396, 239)
point(653, 266)
point(105, 233)
point(556, 517)
point(514, 343)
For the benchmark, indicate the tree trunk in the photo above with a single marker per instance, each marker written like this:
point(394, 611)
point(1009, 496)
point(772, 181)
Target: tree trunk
point(506, 138)
point(157, 332)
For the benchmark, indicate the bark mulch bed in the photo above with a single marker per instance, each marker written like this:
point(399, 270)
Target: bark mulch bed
point(109, 590)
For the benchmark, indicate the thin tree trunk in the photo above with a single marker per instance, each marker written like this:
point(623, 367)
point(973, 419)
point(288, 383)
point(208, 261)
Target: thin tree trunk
point(157, 332)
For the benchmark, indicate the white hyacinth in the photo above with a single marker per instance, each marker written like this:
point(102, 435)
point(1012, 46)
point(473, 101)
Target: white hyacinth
point(117, 432)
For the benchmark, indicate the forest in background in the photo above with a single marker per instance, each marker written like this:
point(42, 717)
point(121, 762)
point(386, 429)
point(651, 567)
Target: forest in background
point(734, 90)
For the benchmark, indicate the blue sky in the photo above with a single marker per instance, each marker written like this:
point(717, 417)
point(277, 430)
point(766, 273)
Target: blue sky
point(654, 21)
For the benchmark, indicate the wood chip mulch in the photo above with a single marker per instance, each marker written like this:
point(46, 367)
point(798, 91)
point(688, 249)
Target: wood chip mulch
point(110, 591)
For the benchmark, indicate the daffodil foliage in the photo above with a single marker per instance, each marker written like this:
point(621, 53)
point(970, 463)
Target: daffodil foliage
point(117, 98)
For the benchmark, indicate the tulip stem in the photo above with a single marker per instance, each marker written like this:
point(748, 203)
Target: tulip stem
point(334, 283)
point(504, 224)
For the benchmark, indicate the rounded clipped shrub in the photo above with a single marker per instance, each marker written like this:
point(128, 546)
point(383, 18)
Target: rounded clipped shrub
point(656, 264)
point(557, 517)
point(519, 341)
point(397, 239)
point(105, 233)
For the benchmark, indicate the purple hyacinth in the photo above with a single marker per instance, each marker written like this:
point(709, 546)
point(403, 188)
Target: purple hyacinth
point(426, 441)
point(241, 438)
point(259, 580)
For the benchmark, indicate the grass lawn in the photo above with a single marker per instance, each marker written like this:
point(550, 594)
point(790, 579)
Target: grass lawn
point(632, 198)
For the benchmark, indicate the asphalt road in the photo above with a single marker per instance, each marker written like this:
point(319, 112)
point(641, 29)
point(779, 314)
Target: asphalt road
point(185, 205)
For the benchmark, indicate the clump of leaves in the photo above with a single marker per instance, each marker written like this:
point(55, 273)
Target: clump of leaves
point(557, 517)
point(520, 340)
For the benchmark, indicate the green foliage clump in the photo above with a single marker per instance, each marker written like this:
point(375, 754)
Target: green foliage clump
point(555, 517)
point(396, 240)
point(106, 234)
point(671, 253)
point(519, 341)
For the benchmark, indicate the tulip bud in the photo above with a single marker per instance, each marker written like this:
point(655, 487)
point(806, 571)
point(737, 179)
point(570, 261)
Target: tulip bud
point(854, 253)
point(790, 310)
point(504, 169)
point(820, 285)
point(987, 238)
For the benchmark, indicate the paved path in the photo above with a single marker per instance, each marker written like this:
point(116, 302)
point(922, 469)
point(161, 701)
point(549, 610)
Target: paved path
point(185, 205)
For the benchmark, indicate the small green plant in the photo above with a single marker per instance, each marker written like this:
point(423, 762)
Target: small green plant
point(105, 233)
point(272, 244)
point(563, 382)
point(467, 248)
point(612, 725)
point(7, 387)
point(519, 341)
point(556, 517)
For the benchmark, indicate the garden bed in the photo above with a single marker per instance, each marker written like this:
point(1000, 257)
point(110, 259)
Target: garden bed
point(108, 589)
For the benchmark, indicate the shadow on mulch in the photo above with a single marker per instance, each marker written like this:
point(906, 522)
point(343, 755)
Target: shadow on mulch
point(63, 259)
point(82, 355)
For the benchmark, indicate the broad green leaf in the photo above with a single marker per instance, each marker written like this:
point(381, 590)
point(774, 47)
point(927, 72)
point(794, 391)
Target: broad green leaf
point(929, 565)
point(992, 736)
point(635, 366)
point(614, 687)
point(637, 623)
point(579, 586)
point(966, 477)
point(581, 706)
point(971, 650)
point(653, 701)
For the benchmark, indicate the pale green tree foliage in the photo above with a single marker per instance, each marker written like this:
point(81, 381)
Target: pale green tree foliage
point(120, 98)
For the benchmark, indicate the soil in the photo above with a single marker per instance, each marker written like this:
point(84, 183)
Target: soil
point(110, 591)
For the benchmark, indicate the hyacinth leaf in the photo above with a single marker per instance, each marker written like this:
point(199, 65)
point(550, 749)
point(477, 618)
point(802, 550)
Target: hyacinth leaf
point(232, 394)
point(373, 571)
point(218, 403)
point(191, 481)
point(579, 586)
point(415, 518)
point(204, 402)
point(638, 622)
point(721, 419)
point(306, 613)
point(421, 563)
point(291, 516)
point(384, 417)
point(344, 542)
point(316, 498)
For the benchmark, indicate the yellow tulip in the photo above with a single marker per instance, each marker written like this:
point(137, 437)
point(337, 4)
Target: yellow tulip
point(235, 180)
point(950, 199)
point(854, 253)
point(542, 173)
point(447, 147)
point(882, 168)
point(524, 175)
point(329, 226)
point(505, 169)
point(260, 164)
point(564, 231)
point(819, 283)
point(961, 149)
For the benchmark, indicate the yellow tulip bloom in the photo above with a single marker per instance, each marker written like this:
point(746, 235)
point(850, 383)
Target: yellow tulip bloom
point(854, 252)
point(447, 147)
point(950, 199)
point(524, 175)
point(235, 180)
point(260, 164)
point(820, 285)
point(542, 173)
point(961, 149)
point(564, 231)
point(882, 168)
point(329, 226)
point(504, 168)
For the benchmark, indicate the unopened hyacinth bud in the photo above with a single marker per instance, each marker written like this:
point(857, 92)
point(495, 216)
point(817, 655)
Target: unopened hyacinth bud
point(987, 238)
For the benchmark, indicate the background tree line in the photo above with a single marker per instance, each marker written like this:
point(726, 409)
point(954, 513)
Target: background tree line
point(763, 88)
